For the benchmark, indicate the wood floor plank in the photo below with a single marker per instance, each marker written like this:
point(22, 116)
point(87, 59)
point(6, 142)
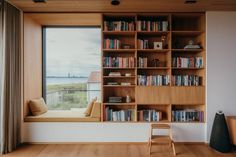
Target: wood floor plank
point(115, 150)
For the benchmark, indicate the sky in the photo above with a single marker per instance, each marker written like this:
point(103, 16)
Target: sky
point(73, 50)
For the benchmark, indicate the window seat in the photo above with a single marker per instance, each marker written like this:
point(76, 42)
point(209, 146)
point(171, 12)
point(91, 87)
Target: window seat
point(62, 116)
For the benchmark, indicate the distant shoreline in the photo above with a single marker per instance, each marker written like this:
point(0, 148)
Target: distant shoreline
point(65, 77)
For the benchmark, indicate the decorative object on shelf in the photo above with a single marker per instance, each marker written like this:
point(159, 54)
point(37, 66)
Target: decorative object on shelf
point(126, 46)
point(128, 99)
point(157, 45)
point(125, 84)
point(156, 62)
point(114, 74)
point(128, 74)
point(164, 25)
point(164, 42)
point(191, 45)
point(115, 99)
point(220, 139)
point(112, 83)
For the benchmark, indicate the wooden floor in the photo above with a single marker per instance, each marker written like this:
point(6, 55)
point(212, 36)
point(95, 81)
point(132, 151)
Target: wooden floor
point(114, 150)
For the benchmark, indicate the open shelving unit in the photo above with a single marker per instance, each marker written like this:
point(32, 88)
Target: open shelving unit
point(168, 98)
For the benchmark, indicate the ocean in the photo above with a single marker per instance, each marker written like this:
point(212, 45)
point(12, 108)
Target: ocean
point(65, 80)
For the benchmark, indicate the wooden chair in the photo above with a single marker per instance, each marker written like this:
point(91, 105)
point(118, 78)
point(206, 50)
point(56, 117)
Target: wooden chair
point(161, 139)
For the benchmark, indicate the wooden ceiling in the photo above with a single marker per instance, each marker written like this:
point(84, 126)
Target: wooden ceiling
point(125, 6)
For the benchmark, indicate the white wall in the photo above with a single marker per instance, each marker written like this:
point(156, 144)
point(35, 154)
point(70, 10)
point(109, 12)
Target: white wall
point(221, 87)
point(105, 132)
point(221, 65)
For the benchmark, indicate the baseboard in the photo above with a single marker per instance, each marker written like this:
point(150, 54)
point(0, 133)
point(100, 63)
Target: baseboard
point(115, 143)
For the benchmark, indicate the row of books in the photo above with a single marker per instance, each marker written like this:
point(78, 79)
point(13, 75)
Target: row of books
point(121, 62)
point(186, 80)
point(122, 115)
point(155, 80)
point(143, 44)
point(191, 62)
point(118, 26)
point(149, 115)
point(142, 62)
point(112, 44)
point(152, 25)
point(187, 115)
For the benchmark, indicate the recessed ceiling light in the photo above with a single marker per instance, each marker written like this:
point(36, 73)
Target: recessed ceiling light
point(190, 2)
point(40, 1)
point(115, 2)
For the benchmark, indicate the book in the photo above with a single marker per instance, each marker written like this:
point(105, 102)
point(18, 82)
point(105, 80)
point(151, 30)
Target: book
point(149, 115)
point(190, 62)
point(187, 115)
point(186, 80)
point(152, 25)
point(112, 44)
point(120, 115)
point(155, 80)
point(119, 25)
point(121, 62)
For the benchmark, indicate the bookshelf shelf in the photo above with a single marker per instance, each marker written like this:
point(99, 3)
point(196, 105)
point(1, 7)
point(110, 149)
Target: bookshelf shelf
point(153, 33)
point(119, 50)
point(154, 68)
point(120, 33)
point(153, 50)
point(122, 104)
point(160, 68)
point(119, 77)
point(187, 50)
point(175, 68)
point(119, 86)
point(118, 68)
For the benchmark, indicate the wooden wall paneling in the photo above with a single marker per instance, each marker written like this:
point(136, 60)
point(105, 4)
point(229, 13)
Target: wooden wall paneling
point(67, 19)
point(153, 95)
point(32, 61)
point(125, 6)
point(188, 95)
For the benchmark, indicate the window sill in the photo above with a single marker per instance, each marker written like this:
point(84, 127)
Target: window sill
point(61, 116)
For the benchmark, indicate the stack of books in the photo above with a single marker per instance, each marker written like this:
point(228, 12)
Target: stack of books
point(188, 115)
point(186, 80)
point(142, 62)
point(152, 25)
point(121, 62)
point(143, 44)
point(112, 44)
point(155, 80)
point(149, 115)
point(122, 115)
point(118, 26)
point(191, 62)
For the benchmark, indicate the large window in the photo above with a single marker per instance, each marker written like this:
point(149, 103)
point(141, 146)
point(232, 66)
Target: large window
point(71, 66)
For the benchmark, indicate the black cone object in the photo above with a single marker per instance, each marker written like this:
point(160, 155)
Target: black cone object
point(220, 139)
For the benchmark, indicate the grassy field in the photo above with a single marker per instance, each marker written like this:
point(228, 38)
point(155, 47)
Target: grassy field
point(68, 97)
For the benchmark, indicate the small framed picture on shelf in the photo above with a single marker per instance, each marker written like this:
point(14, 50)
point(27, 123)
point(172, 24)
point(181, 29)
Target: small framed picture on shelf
point(157, 45)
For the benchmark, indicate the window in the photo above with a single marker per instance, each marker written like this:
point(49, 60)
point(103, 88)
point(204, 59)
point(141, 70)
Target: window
point(71, 66)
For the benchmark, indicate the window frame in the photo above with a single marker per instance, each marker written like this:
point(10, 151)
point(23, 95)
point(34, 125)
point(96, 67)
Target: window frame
point(44, 55)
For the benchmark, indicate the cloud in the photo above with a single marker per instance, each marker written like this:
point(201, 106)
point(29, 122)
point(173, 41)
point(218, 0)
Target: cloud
point(72, 50)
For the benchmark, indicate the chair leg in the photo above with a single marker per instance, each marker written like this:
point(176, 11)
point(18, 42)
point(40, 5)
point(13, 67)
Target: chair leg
point(150, 146)
point(173, 147)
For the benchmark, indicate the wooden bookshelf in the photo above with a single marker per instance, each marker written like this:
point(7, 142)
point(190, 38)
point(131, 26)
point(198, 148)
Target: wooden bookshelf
point(167, 98)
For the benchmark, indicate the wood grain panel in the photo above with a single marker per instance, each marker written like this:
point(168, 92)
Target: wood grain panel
point(32, 61)
point(114, 149)
point(66, 19)
point(232, 128)
point(125, 6)
point(188, 95)
point(153, 95)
